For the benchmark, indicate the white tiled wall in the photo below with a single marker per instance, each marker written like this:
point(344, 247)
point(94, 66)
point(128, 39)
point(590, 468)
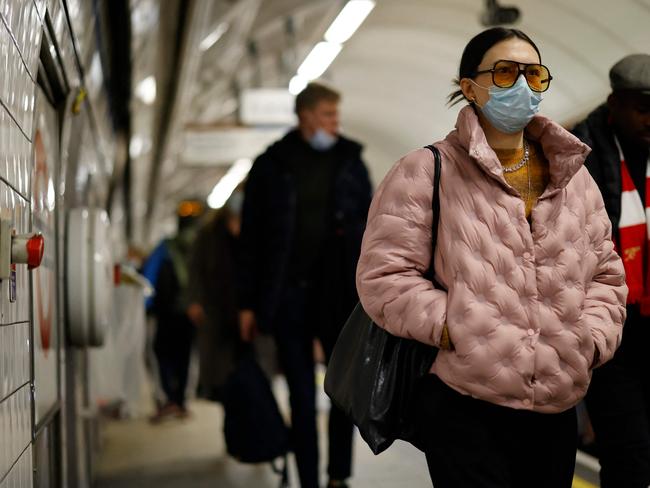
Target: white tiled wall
point(15, 155)
point(14, 358)
point(18, 311)
point(17, 87)
point(24, 23)
point(16, 428)
point(22, 474)
point(20, 37)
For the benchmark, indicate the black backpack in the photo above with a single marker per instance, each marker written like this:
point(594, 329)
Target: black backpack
point(253, 428)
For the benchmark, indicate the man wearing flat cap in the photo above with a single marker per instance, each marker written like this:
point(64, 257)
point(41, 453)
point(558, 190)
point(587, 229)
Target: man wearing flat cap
point(618, 400)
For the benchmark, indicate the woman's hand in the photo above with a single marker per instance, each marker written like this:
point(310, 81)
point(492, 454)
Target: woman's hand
point(196, 314)
point(247, 325)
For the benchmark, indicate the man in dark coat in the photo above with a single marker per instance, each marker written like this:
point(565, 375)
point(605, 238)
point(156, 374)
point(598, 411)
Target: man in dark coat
point(618, 400)
point(304, 214)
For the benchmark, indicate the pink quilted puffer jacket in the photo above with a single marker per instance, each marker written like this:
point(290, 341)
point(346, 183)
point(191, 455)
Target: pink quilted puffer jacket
point(526, 305)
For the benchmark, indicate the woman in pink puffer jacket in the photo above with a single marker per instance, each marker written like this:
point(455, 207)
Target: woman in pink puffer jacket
point(534, 293)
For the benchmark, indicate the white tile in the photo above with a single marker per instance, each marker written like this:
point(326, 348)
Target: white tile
point(17, 311)
point(6, 169)
point(18, 86)
point(21, 475)
point(8, 11)
point(16, 19)
point(15, 155)
point(14, 357)
point(15, 421)
point(5, 87)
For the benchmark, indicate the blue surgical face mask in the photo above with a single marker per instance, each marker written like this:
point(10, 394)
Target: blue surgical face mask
point(322, 140)
point(510, 109)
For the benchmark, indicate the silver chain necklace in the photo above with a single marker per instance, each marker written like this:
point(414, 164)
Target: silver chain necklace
point(521, 163)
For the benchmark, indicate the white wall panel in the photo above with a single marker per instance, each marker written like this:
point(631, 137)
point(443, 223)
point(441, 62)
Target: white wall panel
point(16, 428)
point(17, 90)
point(22, 474)
point(16, 208)
point(20, 35)
point(14, 358)
point(22, 19)
point(44, 313)
point(15, 155)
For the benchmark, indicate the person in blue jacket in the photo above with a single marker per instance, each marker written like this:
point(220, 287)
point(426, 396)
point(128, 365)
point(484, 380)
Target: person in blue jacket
point(168, 268)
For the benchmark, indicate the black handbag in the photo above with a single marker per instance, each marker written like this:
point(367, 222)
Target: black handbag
point(371, 375)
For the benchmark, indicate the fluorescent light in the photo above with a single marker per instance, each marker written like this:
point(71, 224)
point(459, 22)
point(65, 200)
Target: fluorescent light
point(213, 36)
point(138, 146)
point(318, 60)
point(349, 20)
point(51, 196)
point(227, 184)
point(146, 90)
point(135, 146)
point(297, 84)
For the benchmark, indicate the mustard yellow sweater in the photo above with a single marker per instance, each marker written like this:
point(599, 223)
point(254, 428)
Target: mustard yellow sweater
point(539, 173)
point(539, 178)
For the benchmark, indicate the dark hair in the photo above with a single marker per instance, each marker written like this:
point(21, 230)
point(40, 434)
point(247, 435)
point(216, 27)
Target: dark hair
point(314, 93)
point(476, 49)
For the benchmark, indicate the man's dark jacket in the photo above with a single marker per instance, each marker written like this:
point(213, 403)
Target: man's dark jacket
point(267, 233)
point(603, 162)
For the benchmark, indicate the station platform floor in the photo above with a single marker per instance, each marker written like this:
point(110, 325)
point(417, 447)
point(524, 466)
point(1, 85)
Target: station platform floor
point(190, 453)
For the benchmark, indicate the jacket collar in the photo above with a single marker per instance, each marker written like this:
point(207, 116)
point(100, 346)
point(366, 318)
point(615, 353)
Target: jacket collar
point(293, 139)
point(564, 152)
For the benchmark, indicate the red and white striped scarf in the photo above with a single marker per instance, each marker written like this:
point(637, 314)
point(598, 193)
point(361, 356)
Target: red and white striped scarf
point(634, 237)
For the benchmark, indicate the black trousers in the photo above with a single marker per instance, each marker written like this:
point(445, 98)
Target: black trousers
point(172, 347)
point(294, 337)
point(618, 402)
point(472, 443)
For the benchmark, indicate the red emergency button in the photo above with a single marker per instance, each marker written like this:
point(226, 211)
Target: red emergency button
point(35, 250)
point(27, 249)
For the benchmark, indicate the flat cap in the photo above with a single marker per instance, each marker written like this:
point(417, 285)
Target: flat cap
point(631, 73)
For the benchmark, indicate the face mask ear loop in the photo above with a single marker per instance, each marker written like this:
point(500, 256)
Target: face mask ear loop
point(474, 99)
point(484, 87)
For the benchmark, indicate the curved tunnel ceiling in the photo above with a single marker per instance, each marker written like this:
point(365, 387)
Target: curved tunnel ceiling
point(395, 72)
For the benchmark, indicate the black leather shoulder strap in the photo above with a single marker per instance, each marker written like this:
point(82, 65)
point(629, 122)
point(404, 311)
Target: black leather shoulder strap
point(435, 204)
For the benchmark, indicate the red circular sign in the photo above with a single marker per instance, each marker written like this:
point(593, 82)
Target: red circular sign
point(36, 249)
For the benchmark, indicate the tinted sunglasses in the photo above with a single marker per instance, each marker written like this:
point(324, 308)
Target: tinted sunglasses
point(505, 74)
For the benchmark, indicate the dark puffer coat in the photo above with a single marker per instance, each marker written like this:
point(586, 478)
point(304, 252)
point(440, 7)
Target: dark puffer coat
point(268, 221)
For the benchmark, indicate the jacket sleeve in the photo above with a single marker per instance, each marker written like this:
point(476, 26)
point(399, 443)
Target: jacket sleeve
point(605, 295)
point(396, 252)
point(252, 219)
